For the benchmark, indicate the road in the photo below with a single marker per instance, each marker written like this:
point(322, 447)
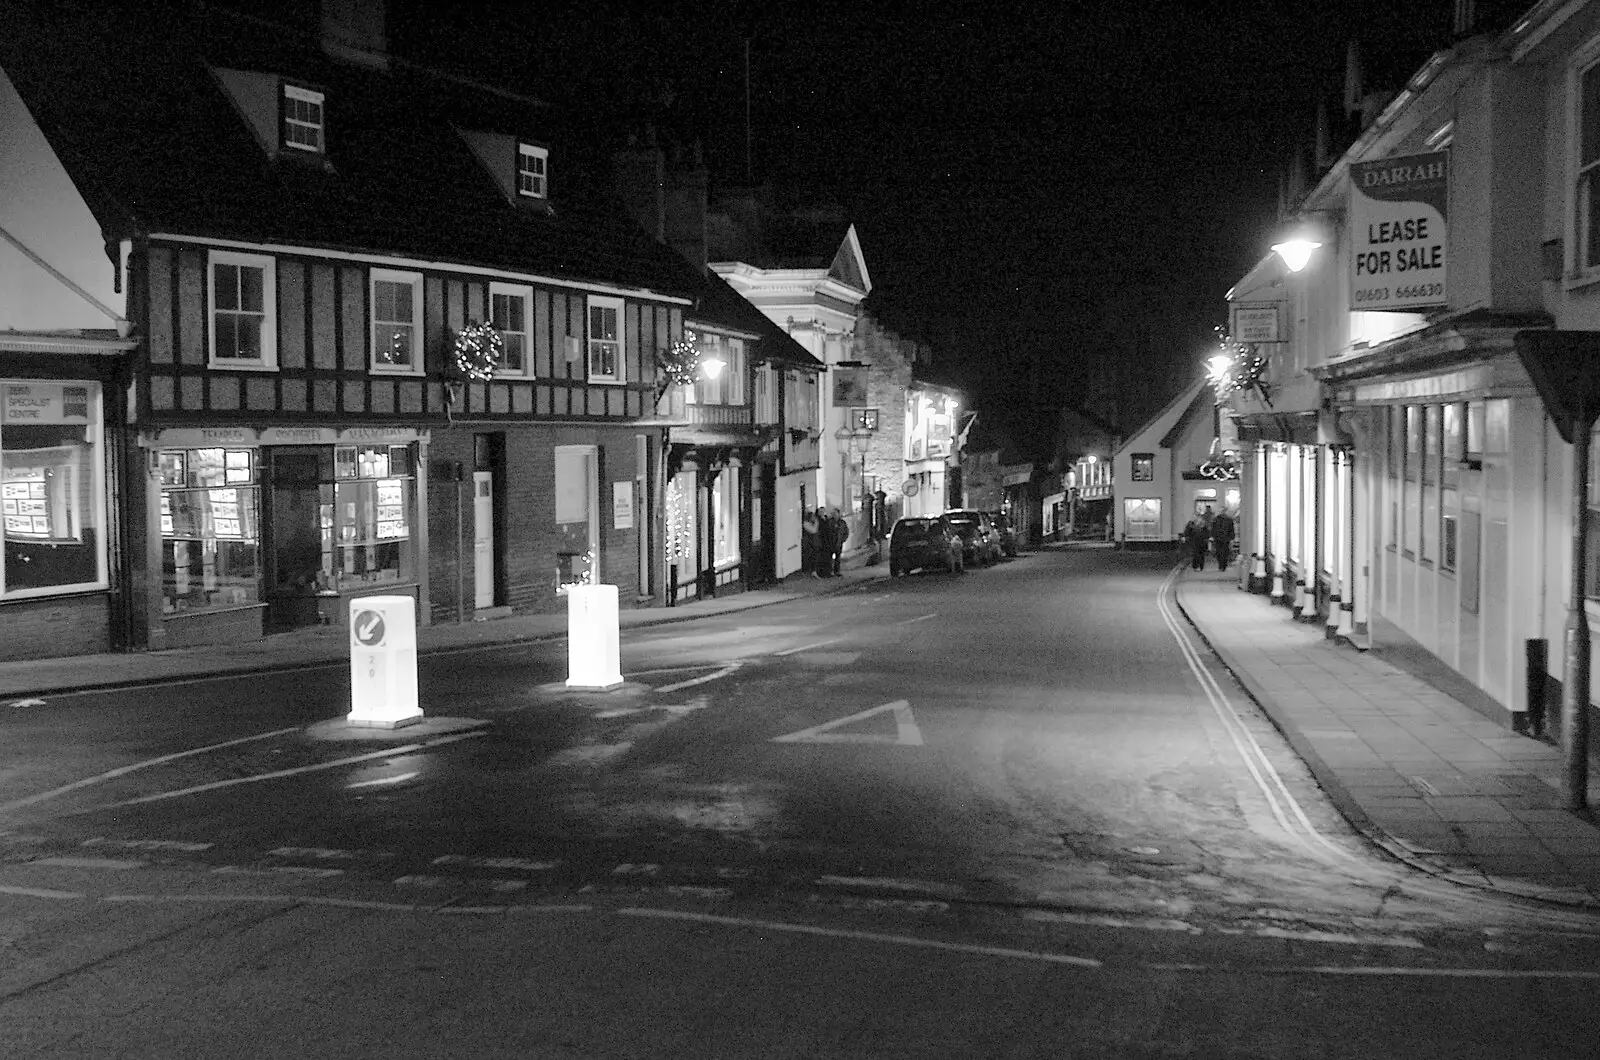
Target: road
point(1015, 812)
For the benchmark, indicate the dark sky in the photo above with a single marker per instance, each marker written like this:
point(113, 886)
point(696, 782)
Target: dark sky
point(1041, 190)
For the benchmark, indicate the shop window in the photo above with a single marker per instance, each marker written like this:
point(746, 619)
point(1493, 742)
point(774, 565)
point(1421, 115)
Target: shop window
point(1142, 518)
point(396, 321)
point(52, 499)
point(577, 519)
point(341, 518)
point(210, 529)
point(725, 498)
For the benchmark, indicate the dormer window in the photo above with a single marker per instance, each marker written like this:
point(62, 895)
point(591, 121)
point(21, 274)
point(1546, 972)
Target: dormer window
point(531, 164)
point(303, 120)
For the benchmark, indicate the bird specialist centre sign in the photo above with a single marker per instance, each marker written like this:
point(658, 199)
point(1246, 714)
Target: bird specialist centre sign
point(1399, 209)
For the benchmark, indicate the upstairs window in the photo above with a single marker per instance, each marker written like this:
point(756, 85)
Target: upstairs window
point(1143, 468)
point(396, 321)
point(302, 119)
point(532, 162)
point(508, 310)
point(605, 340)
point(242, 311)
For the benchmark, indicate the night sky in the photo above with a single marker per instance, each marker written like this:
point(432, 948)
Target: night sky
point(1056, 196)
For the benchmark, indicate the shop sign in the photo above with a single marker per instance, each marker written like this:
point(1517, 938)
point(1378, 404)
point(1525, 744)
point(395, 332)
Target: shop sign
point(1254, 323)
point(391, 435)
point(622, 505)
point(849, 387)
point(298, 436)
point(1398, 244)
point(204, 437)
point(40, 402)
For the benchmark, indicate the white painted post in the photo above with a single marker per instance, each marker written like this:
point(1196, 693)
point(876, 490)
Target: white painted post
point(383, 662)
point(594, 648)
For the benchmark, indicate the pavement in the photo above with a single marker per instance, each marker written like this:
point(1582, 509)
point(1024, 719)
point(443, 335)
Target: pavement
point(1422, 775)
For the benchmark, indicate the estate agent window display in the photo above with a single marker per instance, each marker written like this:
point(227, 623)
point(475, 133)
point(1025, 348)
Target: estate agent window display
point(52, 495)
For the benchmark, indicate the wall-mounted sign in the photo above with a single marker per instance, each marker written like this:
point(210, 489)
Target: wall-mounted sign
point(849, 386)
point(1254, 323)
point(622, 505)
point(201, 437)
point(1398, 245)
point(42, 402)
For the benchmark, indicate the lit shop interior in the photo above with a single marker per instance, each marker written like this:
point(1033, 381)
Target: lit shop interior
point(286, 532)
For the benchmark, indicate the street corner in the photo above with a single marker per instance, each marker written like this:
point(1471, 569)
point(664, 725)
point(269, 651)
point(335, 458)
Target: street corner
point(342, 730)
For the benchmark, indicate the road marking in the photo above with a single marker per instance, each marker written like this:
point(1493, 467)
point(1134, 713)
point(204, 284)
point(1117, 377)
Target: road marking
point(277, 870)
point(90, 863)
point(919, 618)
point(147, 844)
point(38, 892)
point(807, 647)
point(27, 702)
point(521, 864)
point(906, 732)
point(726, 671)
point(318, 853)
point(125, 770)
point(890, 884)
point(392, 752)
point(382, 781)
point(863, 936)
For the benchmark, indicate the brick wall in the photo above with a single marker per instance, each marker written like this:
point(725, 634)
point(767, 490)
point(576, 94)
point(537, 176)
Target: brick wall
point(529, 541)
point(48, 629)
point(891, 359)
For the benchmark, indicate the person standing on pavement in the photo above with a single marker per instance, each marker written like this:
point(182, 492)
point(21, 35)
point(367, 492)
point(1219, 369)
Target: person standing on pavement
point(1197, 535)
point(1222, 539)
point(811, 543)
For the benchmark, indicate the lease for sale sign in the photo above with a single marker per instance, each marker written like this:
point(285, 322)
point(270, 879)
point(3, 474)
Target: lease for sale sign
point(1398, 244)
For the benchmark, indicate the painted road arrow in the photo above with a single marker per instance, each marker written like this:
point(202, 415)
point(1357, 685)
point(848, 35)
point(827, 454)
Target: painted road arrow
point(906, 731)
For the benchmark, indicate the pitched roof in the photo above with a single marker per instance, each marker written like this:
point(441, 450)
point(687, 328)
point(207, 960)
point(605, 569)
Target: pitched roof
point(127, 98)
point(719, 303)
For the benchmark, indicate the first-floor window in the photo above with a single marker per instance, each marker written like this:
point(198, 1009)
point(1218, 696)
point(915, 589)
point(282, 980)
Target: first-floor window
point(52, 495)
point(396, 321)
point(508, 308)
point(1143, 468)
point(210, 528)
point(605, 339)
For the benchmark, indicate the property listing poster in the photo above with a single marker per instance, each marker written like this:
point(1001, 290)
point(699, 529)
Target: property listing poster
point(1398, 239)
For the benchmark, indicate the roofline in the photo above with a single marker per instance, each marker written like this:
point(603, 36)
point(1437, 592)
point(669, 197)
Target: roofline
point(418, 263)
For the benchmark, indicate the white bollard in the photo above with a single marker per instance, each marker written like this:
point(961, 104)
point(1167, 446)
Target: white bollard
point(594, 648)
point(383, 662)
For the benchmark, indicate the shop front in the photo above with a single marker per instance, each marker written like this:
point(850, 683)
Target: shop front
point(55, 559)
point(261, 530)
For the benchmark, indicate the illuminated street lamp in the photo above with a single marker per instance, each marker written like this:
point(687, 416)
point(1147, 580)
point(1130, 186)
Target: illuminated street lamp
point(1296, 253)
point(712, 366)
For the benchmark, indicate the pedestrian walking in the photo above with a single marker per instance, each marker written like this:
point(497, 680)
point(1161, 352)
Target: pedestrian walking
point(1222, 539)
point(1197, 535)
point(838, 533)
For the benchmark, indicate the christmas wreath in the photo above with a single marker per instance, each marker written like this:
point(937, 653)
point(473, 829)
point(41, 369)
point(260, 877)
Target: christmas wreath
point(680, 363)
point(478, 351)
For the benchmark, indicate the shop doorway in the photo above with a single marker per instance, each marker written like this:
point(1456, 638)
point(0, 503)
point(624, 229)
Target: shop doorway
point(488, 460)
point(577, 514)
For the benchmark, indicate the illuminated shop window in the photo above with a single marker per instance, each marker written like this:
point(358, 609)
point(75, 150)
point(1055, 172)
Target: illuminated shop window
point(52, 499)
point(210, 529)
point(341, 518)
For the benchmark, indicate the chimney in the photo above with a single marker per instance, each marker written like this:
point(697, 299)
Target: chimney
point(684, 208)
point(356, 31)
point(1353, 77)
point(638, 173)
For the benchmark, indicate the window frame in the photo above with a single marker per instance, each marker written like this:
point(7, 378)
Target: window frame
point(304, 94)
point(268, 361)
point(603, 302)
point(414, 279)
point(527, 150)
point(524, 292)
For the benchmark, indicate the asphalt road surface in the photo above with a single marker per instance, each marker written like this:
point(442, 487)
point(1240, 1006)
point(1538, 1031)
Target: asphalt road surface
point(1015, 812)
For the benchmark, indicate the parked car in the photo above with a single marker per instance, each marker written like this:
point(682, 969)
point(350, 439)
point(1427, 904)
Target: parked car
point(980, 540)
point(924, 542)
point(1008, 532)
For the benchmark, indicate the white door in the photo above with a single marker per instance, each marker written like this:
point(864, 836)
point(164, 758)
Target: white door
point(483, 538)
